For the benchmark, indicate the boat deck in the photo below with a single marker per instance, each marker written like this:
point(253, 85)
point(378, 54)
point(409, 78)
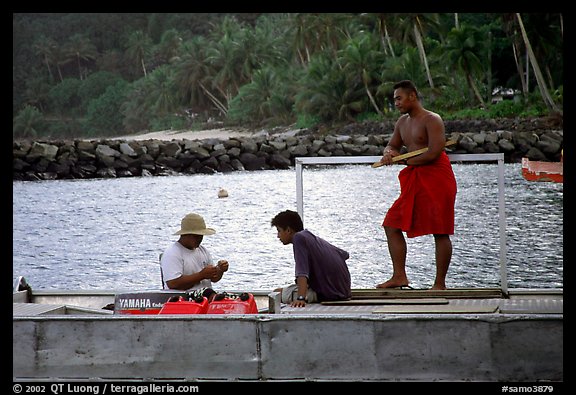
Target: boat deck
point(454, 301)
point(454, 335)
point(364, 301)
point(434, 306)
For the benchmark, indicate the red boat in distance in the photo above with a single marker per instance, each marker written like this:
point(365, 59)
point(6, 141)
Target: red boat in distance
point(542, 171)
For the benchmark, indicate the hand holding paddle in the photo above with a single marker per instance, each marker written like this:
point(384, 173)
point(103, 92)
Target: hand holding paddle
point(411, 154)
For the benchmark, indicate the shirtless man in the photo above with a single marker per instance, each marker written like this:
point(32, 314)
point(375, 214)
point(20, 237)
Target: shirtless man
point(427, 187)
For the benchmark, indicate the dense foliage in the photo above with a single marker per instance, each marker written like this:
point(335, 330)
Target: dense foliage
point(84, 75)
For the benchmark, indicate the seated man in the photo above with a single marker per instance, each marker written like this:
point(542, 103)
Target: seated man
point(186, 265)
point(321, 270)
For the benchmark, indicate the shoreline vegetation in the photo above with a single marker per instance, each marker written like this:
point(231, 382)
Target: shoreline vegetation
point(81, 75)
point(222, 150)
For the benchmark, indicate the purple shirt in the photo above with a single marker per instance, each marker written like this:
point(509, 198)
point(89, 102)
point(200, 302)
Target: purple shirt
point(323, 264)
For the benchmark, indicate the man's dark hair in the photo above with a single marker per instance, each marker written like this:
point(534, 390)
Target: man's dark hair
point(288, 219)
point(408, 86)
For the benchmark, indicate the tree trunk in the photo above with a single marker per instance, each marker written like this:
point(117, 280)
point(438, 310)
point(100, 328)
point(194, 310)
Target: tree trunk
point(537, 73)
point(420, 46)
point(520, 70)
point(59, 72)
point(214, 100)
point(475, 89)
point(48, 66)
point(373, 101)
point(79, 67)
point(489, 71)
point(387, 37)
point(143, 66)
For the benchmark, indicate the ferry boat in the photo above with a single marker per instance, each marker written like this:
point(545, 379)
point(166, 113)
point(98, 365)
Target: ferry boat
point(465, 334)
point(378, 335)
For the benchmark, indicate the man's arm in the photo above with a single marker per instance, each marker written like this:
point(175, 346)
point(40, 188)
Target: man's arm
point(188, 281)
point(302, 283)
point(222, 267)
point(172, 269)
point(394, 146)
point(302, 269)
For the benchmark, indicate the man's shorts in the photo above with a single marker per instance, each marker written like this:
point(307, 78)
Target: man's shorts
point(290, 293)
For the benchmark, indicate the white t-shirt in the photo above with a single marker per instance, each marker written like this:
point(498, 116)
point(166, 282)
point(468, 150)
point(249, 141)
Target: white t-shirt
point(178, 260)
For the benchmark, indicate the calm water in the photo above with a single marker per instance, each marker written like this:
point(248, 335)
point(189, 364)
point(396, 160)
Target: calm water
point(107, 234)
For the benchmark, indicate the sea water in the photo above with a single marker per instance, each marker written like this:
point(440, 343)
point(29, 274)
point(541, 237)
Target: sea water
point(108, 233)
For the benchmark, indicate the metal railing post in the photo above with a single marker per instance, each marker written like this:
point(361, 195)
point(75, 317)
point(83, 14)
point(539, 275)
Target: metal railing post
point(299, 189)
point(502, 226)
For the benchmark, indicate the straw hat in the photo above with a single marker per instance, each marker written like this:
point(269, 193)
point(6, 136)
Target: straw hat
point(193, 224)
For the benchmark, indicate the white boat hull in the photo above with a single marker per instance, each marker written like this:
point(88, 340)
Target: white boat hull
point(509, 344)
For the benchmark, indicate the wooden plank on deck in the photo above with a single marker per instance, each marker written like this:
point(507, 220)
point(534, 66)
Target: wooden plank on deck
point(453, 307)
point(387, 301)
point(459, 293)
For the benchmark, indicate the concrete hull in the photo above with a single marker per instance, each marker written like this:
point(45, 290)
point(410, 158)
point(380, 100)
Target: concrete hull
point(401, 347)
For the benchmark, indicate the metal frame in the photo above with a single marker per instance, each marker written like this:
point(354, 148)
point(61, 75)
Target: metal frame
point(341, 160)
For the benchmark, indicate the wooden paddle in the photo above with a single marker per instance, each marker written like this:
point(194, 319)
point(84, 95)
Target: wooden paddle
point(411, 154)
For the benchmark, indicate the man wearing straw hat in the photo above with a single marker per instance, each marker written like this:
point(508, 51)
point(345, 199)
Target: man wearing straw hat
point(186, 265)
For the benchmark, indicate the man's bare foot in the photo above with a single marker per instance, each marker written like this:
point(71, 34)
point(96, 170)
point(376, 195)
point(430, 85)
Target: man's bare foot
point(393, 284)
point(438, 288)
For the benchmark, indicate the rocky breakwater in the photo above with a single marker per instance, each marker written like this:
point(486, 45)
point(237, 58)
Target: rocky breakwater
point(80, 159)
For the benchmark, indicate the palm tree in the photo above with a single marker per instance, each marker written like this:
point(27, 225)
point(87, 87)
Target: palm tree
point(545, 34)
point(36, 92)
point(169, 46)
point(135, 109)
point(261, 46)
point(382, 23)
point(302, 37)
point(27, 123)
point(226, 59)
point(191, 70)
point(537, 73)
point(464, 50)
point(362, 58)
point(138, 48)
point(52, 54)
point(161, 92)
point(194, 75)
point(415, 25)
point(80, 48)
point(267, 98)
point(405, 66)
point(45, 48)
point(326, 94)
point(516, 40)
